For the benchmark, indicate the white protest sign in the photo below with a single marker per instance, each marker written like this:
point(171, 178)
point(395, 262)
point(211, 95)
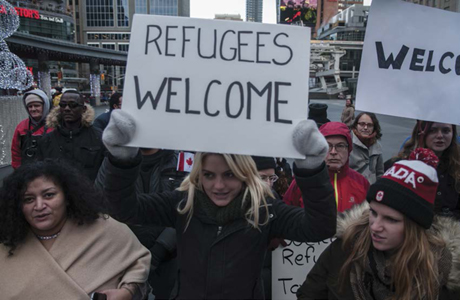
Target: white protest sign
point(216, 86)
point(291, 265)
point(409, 67)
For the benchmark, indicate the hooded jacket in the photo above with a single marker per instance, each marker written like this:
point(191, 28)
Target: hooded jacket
point(28, 132)
point(350, 187)
point(82, 147)
point(322, 281)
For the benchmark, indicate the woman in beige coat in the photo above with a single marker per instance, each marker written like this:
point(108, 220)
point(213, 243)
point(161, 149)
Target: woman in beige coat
point(348, 113)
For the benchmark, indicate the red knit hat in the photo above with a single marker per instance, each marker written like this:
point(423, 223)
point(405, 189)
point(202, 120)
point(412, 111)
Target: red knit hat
point(409, 186)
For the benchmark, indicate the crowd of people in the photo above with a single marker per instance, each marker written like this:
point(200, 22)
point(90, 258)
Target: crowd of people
point(103, 219)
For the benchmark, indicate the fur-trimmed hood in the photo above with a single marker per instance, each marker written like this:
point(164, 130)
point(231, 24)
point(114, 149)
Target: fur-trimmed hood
point(446, 228)
point(54, 117)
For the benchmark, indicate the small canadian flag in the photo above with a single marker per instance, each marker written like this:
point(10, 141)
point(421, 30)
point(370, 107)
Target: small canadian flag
point(185, 161)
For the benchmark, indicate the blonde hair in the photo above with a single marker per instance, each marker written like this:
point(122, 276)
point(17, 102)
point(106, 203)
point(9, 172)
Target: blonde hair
point(414, 264)
point(244, 168)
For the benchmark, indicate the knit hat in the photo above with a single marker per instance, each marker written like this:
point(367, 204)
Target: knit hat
point(409, 186)
point(263, 163)
point(318, 113)
point(33, 98)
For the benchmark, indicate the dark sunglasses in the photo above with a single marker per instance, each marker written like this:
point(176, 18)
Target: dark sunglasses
point(71, 105)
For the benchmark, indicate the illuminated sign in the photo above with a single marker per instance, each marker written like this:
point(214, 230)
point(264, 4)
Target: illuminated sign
point(31, 14)
point(51, 19)
point(27, 13)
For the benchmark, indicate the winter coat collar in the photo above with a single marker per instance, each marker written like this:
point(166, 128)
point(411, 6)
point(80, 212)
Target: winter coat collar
point(446, 228)
point(375, 149)
point(54, 117)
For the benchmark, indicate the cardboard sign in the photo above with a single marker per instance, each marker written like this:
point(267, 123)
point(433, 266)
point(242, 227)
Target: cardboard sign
point(409, 69)
point(291, 264)
point(216, 86)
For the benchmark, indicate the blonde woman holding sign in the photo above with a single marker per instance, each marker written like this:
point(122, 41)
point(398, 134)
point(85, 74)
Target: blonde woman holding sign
point(224, 214)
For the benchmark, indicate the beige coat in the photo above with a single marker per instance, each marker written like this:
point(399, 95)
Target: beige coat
point(82, 260)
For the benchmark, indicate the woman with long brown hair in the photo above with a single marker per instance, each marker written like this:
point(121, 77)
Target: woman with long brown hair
point(441, 138)
point(366, 157)
point(393, 247)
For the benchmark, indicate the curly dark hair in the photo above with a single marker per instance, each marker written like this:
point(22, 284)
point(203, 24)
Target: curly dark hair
point(374, 119)
point(85, 202)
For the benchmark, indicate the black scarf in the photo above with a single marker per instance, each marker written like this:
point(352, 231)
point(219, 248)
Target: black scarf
point(151, 168)
point(222, 215)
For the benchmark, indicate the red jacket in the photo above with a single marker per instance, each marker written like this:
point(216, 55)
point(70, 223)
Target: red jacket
point(350, 187)
point(19, 134)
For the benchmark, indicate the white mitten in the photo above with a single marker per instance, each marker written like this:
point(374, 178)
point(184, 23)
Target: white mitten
point(309, 141)
point(118, 132)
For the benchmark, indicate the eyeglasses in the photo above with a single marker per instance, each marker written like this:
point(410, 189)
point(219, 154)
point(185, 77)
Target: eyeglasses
point(338, 147)
point(368, 125)
point(271, 178)
point(71, 105)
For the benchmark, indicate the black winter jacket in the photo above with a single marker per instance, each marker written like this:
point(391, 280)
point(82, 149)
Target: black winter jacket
point(323, 281)
point(82, 147)
point(223, 262)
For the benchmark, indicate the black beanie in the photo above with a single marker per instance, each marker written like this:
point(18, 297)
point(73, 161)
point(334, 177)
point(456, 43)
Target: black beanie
point(263, 163)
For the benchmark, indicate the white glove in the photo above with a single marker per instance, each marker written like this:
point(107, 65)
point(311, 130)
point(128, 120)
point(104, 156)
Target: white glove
point(119, 131)
point(309, 141)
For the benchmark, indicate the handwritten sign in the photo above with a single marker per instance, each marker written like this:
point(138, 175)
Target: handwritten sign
point(216, 86)
point(291, 264)
point(409, 69)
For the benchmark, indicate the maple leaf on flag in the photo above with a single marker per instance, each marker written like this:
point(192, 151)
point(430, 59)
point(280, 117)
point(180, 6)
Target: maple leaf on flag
point(189, 161)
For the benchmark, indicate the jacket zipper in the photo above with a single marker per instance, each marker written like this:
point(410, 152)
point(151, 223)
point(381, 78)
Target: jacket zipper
point(219, 230)
point(336, 191)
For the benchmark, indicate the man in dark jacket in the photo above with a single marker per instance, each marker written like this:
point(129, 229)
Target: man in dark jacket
point(350, 186)
point(103, 119)
point(74, 138)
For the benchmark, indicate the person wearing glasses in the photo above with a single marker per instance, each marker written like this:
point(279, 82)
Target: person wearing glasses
point(74, 137)
point(366, 157)
point(350, 187)
point(30, 130)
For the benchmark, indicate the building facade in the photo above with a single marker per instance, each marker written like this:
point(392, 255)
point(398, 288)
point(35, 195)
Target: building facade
point(450, 5)
point(326, 9)
point(50, 19)
point(107, 24)
point(254, 10)
point(344, 4)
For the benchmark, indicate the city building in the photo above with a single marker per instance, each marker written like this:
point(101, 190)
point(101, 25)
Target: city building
point(231, 17)
point(326, 9)
point(450, 5)
point(107, 24)
point(344, 4)
point(343, 32)
point(49, 19)
point(254, 10)
point(348, 25)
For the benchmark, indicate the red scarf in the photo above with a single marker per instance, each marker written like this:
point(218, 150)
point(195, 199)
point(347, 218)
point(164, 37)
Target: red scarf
point(366, 140)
